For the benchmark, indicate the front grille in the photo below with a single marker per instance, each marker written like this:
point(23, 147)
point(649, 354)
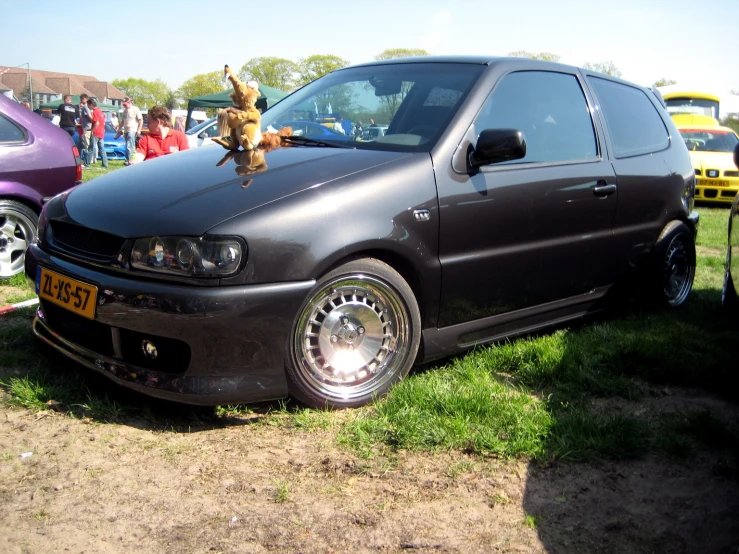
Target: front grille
point(86, 241)
point(698, 172)
point(710, 193)
point(731, 173)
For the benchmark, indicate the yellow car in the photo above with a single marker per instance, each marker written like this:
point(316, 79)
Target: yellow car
point(712, 153)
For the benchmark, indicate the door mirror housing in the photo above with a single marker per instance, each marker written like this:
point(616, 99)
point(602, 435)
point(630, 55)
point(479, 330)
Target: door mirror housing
point(498, 145)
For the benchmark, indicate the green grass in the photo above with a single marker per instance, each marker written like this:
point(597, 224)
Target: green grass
point(97, 170)
point(575, 393)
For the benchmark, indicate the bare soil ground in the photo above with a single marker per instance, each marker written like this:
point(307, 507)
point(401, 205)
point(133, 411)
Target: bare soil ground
point(239, 485)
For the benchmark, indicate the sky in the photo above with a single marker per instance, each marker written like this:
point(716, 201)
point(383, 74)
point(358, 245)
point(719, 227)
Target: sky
point(691, 42)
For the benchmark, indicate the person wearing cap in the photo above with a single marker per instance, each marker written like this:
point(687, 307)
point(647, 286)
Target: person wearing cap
point(130, 127)
point(162, 139)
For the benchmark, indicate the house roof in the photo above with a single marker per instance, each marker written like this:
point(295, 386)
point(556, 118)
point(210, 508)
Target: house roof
point(54, 82)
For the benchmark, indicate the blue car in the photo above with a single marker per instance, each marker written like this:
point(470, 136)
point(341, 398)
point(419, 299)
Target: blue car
point(314, 130)
point(115, 148)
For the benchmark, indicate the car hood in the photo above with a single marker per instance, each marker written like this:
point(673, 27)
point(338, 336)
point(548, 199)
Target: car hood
point(190, 192)
point(723, 161)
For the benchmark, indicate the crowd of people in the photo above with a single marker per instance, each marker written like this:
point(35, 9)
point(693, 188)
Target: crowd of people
point(85, 124)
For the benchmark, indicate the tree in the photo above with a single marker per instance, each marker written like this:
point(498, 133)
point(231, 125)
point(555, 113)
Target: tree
point(273, 72)
point(173, 100)
point(393, 53)
point(546, 56)
point(313, 67)
point(609, 68)
point(663, 82)
point(144, 93)
point(204, 83)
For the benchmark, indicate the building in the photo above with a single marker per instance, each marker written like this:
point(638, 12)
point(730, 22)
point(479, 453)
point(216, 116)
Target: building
point(48, 86)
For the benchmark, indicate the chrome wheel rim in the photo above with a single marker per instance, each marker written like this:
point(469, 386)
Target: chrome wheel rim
point(352, 337)
point(679, 270)
point(16, 233)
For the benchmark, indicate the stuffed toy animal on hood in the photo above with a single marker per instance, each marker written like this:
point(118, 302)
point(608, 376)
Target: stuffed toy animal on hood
point(245, 120)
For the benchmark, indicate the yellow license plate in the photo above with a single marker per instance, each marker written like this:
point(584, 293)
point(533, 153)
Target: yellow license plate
point(74, 295)
point(712, 183)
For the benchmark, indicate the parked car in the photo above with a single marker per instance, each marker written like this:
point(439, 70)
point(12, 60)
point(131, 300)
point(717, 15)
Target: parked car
point(372, 132)
point(311, 129)
point(115, 146)
point(203, 133)
point(711, 149)
point(37, 161)
point(731, 270)
point(506, 195)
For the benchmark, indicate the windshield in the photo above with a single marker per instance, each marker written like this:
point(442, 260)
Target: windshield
point(694, 106)
point(709, 140)
point(395, 106)
point(200, 126)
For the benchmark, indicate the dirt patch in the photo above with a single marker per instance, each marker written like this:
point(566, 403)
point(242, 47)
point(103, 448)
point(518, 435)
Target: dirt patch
point(245, 487)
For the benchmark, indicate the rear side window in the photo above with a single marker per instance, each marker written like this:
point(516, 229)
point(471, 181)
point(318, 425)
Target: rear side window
point(633, 122)
point(10, 132)
point(551, 110)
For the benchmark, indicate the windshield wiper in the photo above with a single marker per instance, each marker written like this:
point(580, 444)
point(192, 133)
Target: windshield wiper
point(305, 141)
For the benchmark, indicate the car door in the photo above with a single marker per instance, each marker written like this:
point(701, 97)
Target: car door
point(527, 232)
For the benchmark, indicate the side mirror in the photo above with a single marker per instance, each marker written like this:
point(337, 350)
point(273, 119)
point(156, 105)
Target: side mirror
point(203, 135)
point(498, 145)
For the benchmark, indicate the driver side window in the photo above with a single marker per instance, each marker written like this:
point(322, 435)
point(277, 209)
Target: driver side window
point(551, 111)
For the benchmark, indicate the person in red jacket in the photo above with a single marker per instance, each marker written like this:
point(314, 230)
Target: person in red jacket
point(98, 133)
point(162, 139)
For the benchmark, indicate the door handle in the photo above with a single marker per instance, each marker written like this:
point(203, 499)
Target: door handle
point(601, 189)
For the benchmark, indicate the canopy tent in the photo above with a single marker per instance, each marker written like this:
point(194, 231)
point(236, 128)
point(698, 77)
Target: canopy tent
point(268, 97)
point(76, 101)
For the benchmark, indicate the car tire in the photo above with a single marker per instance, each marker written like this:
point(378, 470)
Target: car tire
point(18, 225)
point(673, 265)
point(357, 334)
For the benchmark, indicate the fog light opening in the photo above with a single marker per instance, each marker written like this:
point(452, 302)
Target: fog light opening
point(150, 351)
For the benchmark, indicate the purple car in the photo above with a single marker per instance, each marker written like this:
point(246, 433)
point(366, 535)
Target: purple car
point(38, 160)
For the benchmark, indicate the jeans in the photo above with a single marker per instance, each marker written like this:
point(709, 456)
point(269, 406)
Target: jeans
point(130, 144)
point(98, 146)
point(85, 147)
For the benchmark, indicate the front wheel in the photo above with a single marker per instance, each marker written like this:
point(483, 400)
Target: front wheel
point(357, 334)
point(674, 265)
point(18, 225)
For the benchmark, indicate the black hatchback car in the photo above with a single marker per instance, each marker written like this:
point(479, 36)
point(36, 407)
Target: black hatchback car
point(506, 195)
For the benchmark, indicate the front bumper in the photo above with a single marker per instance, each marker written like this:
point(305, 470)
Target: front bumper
point(218, 345)
point(716, 194)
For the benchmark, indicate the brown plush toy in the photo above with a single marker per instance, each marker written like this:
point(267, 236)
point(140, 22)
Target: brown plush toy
point(245, 120)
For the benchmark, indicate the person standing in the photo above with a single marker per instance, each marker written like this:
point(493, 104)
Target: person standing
point(339, 126)
point(85, 131)
point(68, 114)
point(98, 133)
point(130, 127)
point(162, 139)
point(114, 120)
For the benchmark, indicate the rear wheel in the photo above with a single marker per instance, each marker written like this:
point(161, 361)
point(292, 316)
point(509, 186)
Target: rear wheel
point(674, 265)
point(357, 334)
point(18, 224)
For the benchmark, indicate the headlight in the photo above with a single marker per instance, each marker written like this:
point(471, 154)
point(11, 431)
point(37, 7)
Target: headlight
point(199, 257)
